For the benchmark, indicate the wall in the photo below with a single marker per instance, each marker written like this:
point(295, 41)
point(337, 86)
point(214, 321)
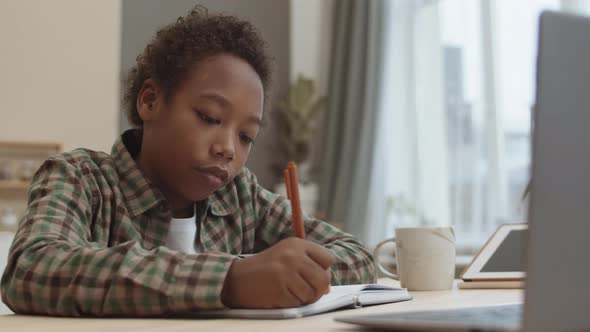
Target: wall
point(59, 63)
point(311, 40)
point(58, 78)
point(311, 56)
point(142, 18)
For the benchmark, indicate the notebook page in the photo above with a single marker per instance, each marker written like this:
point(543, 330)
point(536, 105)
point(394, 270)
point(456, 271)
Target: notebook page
point(338, 297)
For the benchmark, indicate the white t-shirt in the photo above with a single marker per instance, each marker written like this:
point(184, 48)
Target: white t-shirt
point(181, 235)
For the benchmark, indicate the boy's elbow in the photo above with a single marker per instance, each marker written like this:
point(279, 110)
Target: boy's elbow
point(367, 271)
point(371, 272)
point(16, 286)
point(11, 295)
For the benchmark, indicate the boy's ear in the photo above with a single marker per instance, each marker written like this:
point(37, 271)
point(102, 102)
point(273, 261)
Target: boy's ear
point(148, 99)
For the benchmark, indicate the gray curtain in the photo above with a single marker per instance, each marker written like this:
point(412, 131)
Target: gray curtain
point(354, 94)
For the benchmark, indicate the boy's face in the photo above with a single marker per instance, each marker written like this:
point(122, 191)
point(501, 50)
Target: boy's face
point(201, 138)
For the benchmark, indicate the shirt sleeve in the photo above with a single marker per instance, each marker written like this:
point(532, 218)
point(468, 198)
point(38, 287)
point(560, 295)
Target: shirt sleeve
point(353, 263)
point(55, 268)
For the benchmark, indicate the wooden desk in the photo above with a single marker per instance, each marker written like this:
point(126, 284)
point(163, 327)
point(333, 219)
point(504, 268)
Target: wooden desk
point(455, 298)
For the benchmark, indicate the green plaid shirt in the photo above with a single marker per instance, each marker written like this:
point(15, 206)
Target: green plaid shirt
point(92, 239)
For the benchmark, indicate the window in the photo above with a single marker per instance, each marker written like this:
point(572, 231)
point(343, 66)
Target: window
point(454, 141)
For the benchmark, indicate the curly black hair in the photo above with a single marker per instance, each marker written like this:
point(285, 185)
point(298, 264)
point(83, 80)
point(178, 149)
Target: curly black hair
point(177, 47)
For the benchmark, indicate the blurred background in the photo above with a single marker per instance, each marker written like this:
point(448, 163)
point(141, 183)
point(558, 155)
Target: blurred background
point(421, 109)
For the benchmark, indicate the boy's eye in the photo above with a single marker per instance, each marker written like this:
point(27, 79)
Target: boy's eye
point(246, 139)
point(208, 119)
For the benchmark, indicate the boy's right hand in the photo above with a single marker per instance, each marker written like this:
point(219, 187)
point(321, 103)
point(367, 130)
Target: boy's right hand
point(291, 273)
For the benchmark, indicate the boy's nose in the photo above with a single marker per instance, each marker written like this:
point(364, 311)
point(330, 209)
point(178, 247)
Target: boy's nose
point(224, 149)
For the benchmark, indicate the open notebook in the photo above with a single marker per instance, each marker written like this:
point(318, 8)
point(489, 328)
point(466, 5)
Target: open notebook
point(339, 297)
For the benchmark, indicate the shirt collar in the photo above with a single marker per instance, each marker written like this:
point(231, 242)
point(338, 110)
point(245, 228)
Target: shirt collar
point(140, 194)
point(138, 191)
point(219, 206)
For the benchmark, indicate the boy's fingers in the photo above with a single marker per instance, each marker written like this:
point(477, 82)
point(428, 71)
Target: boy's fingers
point(319, 255)
point(316, 277)
point(291, 299)
point(301, 289)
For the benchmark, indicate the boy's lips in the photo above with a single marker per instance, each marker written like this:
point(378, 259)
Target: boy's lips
point(214, 174)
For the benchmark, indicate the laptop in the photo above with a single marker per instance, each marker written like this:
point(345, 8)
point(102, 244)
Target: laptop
point(557, 291)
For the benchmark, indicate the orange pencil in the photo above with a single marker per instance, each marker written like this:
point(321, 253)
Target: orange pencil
point(292, 184)
point(287, 183)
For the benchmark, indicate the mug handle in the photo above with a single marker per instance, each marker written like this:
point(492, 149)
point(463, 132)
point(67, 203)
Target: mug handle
point(376, 253)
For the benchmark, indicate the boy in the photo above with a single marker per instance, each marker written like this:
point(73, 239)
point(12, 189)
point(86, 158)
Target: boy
point(161, 224)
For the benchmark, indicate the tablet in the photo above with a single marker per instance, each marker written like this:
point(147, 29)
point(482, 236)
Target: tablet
point(502, 258)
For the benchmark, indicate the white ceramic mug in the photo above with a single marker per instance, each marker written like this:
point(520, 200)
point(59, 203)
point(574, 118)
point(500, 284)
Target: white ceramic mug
point(425, 257)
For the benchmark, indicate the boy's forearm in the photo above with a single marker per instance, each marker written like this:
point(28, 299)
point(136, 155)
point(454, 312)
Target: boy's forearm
point(123, 280)
point(353, 265)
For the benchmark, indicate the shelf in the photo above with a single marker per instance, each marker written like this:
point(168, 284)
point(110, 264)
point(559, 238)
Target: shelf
point(14, 185)
point(10, 229)
point(35, 145)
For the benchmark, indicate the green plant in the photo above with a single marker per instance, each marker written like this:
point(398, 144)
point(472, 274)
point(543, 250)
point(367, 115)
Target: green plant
point(296, 114)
